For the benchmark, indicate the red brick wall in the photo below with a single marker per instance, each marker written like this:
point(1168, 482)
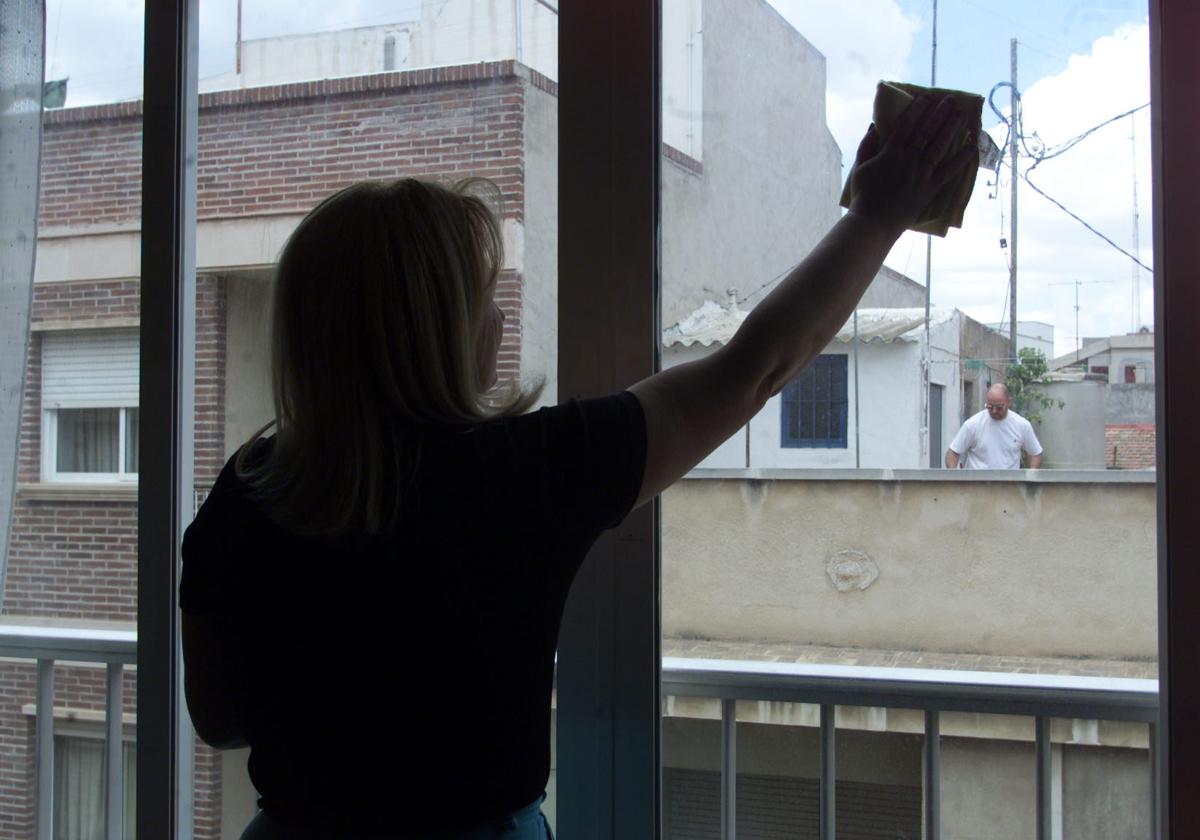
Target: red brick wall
point(1131, 446)
point(283, 148)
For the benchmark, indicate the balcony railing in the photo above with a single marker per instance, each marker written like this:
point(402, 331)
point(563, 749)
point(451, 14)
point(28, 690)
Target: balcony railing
point(1040, 696)
point(47, 645)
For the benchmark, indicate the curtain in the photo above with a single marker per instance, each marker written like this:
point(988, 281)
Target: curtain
point(87, 440)
point(79, 789)
point(22, 44)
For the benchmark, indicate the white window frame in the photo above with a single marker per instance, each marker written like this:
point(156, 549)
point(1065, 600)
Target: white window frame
point(49, 430)
point(50, 472)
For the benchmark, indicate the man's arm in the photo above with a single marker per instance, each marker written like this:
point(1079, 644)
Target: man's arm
point(951, 459)
point(1035, 462)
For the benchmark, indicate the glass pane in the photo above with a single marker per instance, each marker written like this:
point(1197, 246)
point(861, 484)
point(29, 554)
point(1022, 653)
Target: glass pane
point(71, 561)
point(301, 108)
point(868, 555)
point(131, 440)
point(87, 440)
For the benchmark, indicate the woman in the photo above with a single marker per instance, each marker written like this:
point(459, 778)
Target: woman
point(371, 597)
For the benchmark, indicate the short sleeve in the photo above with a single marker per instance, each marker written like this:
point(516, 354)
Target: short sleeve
point(595, 459)
point(1031, 444)
point(209, 580)
point(964, 438)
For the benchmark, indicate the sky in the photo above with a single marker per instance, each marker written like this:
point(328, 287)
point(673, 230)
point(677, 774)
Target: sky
point(1079, 63)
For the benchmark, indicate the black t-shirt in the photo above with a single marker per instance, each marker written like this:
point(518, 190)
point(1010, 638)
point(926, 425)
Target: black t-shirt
point(405, 685)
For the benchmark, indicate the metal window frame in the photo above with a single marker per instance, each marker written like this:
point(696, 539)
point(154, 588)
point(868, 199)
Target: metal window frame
point(1174, 65)
point(167, 341)
point(610, 137)
point(786, 441)
point(608, 722)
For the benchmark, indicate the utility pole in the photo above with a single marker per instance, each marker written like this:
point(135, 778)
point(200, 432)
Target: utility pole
point(1012, 151)
point(926, 353)
point(929, 237)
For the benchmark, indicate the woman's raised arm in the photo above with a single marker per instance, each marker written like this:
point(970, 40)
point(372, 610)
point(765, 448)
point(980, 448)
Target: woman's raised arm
point(692, 408)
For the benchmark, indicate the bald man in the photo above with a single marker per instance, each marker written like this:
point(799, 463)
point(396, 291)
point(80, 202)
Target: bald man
point(993, 438)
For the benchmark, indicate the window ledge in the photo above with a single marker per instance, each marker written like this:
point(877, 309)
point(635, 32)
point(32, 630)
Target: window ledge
point(47, 491)
point(1043, 476)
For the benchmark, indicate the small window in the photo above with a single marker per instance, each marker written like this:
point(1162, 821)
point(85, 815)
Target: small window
point(389, 53)
point(1101, 370)
point(79, 810)
point(1130, 374)
point(89, 406)
point(814, 406)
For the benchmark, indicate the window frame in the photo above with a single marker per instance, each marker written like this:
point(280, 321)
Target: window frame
point(786, 441)
point(50, 471)
point(609, 58)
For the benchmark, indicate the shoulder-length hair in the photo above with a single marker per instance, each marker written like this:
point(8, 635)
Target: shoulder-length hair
point(381, 299)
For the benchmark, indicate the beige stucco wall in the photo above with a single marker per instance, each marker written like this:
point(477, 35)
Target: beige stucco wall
point(1052, 567)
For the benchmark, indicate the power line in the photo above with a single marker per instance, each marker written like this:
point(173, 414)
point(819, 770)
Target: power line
point(1058, 204)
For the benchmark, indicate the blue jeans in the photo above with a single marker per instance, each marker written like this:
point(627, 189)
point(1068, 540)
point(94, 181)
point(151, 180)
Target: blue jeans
point(529, 823)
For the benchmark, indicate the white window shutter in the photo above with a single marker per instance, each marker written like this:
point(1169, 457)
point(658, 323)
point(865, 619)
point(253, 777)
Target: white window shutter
point(90, 369)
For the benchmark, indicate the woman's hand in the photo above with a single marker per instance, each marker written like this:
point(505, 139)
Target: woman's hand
point(896, 179)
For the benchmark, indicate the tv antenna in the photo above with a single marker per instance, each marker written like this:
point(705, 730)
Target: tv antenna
point(1077, 284)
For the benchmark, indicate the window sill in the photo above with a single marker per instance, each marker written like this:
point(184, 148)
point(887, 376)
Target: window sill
point(48, 491)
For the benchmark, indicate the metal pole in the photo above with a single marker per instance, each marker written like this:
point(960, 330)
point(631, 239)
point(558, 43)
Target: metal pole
point(1137, 277)
point(857, 448)
point(1012, 239)
point(114, 755)
point(933, 776)
point(238, 54)
point(728, 769)
point(828, 825)
point(1044, 777)
point(925, 353)
point(44, 801)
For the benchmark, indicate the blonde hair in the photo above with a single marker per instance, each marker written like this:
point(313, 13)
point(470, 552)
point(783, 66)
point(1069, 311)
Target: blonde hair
point(380, 303)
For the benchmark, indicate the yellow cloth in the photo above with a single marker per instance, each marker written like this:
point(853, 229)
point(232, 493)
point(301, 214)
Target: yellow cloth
point(947, 207)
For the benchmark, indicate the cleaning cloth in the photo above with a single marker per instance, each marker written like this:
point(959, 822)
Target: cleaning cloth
point(947, 207)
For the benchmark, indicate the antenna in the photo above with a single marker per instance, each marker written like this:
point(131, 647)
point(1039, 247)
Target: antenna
point(1077, 284)
point(1136, 309)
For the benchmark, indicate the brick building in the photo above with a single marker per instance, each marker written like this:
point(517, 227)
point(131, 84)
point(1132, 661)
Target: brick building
point(266, 156)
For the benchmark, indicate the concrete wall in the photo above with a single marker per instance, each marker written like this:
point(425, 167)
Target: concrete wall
point(996, 564)
point(443, 32)
point(892, 290)
point(1073, 436)
point(683, 76)
point(1129, 404)
point(771, 170)
point(539, 264)
point(248, 403)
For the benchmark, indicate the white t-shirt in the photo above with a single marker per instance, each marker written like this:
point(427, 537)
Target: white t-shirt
point(986, 444)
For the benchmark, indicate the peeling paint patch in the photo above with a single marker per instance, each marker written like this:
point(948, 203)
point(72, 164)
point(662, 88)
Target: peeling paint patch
point(851, 570)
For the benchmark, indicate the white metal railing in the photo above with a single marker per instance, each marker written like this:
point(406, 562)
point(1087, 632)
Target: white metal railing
point(1041, 696)
point(47, 645)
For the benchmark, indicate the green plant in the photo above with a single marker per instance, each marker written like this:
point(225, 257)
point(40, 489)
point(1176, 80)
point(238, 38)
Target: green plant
point(1022, 380)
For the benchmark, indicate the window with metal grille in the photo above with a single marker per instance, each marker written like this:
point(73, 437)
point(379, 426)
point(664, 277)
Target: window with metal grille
point(815, 406)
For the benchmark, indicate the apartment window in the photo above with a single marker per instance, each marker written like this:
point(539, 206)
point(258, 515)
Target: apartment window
point(814, 406)
point(89, 405)
point(79, 811)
